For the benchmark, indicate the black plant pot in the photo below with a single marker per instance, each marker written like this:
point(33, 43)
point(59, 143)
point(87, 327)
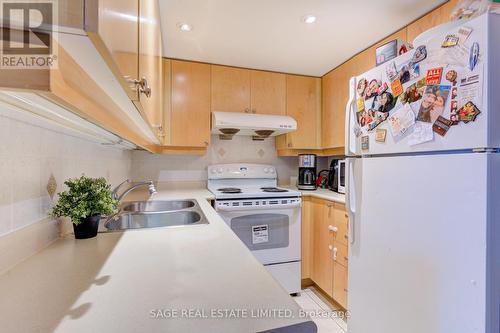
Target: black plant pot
point(87, 227)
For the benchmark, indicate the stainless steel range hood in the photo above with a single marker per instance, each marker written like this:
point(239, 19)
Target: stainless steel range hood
point(258, 126)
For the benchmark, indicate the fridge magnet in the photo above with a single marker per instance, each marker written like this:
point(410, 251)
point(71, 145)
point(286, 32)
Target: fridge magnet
point(357, 131)
point(442, 125)
point(454, 93)
point(391, 71)
point(450, 41)
point(470, 88)
point(463, 34)
point(433, 103)
point(401, 121)
point(408, 72)
point(383, 88)
point(422, 132)
point(372, 89)
point(380, 135)
point(434, 76)
point(360, 104)
point(397, 88)
point(419, 54)
point(365, 142)
point(468, 112)
point(454, 112)
point(412, 94)
point(451, 76)
point(361, 88)
point(384, 102)
point(473, 56)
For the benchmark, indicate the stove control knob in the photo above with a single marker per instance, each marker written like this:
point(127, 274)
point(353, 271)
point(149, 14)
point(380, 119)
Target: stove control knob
point(213, 171)
point(266, 170)
point(219, 170)
point(272, 170)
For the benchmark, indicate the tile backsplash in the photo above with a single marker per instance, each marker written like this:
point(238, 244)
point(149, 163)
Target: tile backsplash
point(241, 149)
point(37, 156)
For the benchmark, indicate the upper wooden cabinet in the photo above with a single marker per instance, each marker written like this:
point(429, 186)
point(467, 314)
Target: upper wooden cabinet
point(303, 103)
point(268, 92)
point(230, 89)
point(335, 92)
point(150, 62)
point(436, 17)
point(250, 91)
point(190, 111)
point(120, 36)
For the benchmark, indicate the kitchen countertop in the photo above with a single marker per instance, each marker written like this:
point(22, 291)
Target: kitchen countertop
point(320, 193)
point(118, 281)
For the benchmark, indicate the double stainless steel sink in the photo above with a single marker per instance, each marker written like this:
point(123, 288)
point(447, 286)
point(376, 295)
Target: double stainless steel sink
point(154, 214)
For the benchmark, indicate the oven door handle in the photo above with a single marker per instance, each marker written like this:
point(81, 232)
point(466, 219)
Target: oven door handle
point(252, 208)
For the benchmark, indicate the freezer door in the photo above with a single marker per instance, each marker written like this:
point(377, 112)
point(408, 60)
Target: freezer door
point(481, 133)
point(417, 260)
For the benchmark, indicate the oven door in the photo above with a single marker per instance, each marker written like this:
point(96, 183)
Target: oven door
point(272, 234)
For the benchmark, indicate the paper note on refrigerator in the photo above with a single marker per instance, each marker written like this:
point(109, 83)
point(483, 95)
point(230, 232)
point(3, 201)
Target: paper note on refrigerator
point(401, 121)
point(422, 132)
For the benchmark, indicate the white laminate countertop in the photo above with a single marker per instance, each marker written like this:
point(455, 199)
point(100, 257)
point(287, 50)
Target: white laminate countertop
point(113, 282)
point(320, 193)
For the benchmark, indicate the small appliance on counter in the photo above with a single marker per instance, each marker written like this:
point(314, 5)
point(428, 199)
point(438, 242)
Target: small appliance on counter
point(307, 172)
point(336, 177)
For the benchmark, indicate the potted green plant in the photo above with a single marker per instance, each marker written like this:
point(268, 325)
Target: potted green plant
point(84, 203)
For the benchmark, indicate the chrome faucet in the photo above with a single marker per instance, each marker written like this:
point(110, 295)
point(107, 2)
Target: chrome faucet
point(119, 198)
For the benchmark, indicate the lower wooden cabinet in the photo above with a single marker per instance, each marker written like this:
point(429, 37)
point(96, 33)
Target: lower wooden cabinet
point(325, 247)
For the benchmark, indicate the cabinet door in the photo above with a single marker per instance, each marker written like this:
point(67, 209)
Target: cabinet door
point(304, 105)
point(307, 237)
point(150, 61)
point(230, 89)
point(322, 272)
point(120, 35)
point(340, 285)
point(268, 92)
point(190, 115)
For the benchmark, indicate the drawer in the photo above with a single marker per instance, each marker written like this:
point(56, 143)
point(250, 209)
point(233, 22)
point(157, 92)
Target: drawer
point(342, 254)
point(342, 234)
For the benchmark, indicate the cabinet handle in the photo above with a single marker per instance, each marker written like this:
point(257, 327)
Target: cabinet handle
point(143, 86)
point(346, 259)
point(290, 145)
point(333, 228)
point(206, 143)
point(247, 110)
point(335, 250)
point(346, 216)
point(346, 237)
point(253, 111)
point(345, 290)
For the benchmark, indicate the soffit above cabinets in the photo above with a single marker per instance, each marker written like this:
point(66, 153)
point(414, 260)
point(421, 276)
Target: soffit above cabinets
point(270, 35)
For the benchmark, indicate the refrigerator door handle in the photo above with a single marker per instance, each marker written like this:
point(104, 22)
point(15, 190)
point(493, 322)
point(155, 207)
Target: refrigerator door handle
point(349, 150)
point(350, 198)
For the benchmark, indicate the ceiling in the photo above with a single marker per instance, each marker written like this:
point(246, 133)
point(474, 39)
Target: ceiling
point(270, 34)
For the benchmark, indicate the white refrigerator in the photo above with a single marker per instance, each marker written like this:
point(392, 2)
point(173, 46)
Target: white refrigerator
point(423, 194)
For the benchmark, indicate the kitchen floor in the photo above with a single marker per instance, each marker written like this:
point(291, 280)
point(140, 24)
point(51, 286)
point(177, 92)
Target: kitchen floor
point(320, 311)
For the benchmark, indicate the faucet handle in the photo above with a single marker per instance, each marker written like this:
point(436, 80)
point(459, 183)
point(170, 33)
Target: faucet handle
point(114, 194)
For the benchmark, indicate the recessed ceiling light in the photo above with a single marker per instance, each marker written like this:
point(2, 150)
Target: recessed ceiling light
point(185, 27)
point(309, 19)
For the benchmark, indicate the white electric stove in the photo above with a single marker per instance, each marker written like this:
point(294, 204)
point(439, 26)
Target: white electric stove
point(265, 217)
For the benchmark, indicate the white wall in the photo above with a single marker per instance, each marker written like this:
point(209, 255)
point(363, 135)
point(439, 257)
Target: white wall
point(169, 168)
point(32, 150)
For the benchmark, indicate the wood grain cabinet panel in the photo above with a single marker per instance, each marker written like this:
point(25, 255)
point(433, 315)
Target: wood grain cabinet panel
point(268, 93)
point(190, 114)
point(339, 293)
point(322, 270)
point(150, 61)
point(307, 237)
point(230, 89)
point(303, 103)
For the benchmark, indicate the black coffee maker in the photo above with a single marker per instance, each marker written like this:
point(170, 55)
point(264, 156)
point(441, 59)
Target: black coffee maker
point(307, 172)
